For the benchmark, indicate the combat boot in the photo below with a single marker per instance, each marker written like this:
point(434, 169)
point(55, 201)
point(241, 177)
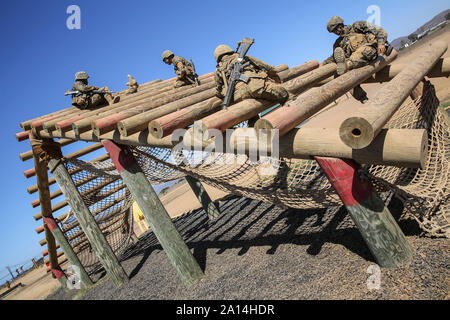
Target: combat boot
point(389, 49)
point(339, 57)
point(111, 99)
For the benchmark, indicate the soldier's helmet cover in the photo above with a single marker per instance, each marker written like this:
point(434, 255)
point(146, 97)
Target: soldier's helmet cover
point(167, 54)
point(334, 23)
point(222, 50)
point(81, 75)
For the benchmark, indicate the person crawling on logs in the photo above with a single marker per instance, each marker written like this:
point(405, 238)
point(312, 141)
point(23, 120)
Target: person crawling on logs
point(85, 96)
point(358, 45)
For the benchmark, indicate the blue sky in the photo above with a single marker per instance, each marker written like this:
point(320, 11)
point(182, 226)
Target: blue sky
point(39, 57)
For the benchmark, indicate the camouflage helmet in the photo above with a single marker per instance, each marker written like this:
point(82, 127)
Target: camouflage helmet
point(167, 54)
point(81, 75)
point(334, 23)
point(222, 50)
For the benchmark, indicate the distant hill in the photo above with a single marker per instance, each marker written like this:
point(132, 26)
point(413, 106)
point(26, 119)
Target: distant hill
point(430, 24)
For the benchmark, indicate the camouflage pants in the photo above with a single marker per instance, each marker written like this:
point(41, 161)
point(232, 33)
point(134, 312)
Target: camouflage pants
point(363, 56)
point(185, 81)
point(258, 88)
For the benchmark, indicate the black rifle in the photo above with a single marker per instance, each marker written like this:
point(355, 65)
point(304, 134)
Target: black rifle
point(195, 73)
point(77, 93)
point(234, 73)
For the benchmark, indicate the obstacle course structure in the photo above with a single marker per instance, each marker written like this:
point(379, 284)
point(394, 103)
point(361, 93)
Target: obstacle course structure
point(405, 155)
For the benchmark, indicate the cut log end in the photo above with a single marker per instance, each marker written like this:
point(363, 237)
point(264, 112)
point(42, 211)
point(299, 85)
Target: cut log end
point(154, 128)
point(263, 124)
point(356, 133)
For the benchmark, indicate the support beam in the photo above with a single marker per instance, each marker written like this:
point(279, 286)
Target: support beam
point(52, 181)
point(156, 215)
point(68, 251)
point(359, 130)
point(74, 155)
point(380, 231)
point(88, 224)
point(200, 192)
point(29, 154)
point(306, 105)
point(52, 229)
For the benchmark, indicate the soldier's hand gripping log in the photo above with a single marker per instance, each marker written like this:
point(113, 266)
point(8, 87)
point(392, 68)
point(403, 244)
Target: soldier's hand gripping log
point(235, 72)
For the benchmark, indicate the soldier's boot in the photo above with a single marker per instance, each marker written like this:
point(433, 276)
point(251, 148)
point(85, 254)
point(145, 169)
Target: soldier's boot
point(111, 99)
point(341, 61)
point(360, 94)
point(389, 49)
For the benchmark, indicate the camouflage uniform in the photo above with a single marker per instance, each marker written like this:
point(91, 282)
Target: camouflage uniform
point(89, 101)
point(184, 70)
point(263, 82)
point(360, 44)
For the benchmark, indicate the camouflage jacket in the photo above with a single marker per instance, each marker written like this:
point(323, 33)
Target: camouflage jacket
point(83, 87)
point(358, 34)
point(182, 67)
point(257, 69)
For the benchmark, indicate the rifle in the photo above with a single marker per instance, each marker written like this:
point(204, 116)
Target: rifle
point(235, 71)
point(77, 93)
point(195, 73)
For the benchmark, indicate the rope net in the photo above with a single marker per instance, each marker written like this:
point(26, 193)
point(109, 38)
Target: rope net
point(295, 184)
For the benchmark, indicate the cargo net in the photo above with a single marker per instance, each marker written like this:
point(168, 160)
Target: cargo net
point(294, 184)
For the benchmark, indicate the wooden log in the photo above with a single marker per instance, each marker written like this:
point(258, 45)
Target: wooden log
point(307, 104)
point(98, 241)
point(141, 122)
point(29, 154)
point(100, 126)
point(52, 230)
point(166, 125)
point(67, 124)
point(94, 213)
point(250, 108)
point(292, 73)
point(51, 181)
point(202, 196)
point(68, 253)
point(380, 231)
point(74, 155)
point(82, 182)
point(155, 213)
point(26, 125)
point(281, 68)
point(359, 130)
point(390, 148)
point(64, 203)
point(309, 79)
point(22, 136)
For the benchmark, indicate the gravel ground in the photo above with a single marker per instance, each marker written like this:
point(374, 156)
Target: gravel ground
point(258, 251)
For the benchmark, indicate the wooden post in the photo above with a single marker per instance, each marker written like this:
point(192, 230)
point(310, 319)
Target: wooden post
point(52, 230)
point(200, 192)
point(88, 224)
point(68, 251)
point(380, 231)
point(156, 215)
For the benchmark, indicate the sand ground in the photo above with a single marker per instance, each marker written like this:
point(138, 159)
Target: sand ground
point(37, 285)
point(180, 200)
